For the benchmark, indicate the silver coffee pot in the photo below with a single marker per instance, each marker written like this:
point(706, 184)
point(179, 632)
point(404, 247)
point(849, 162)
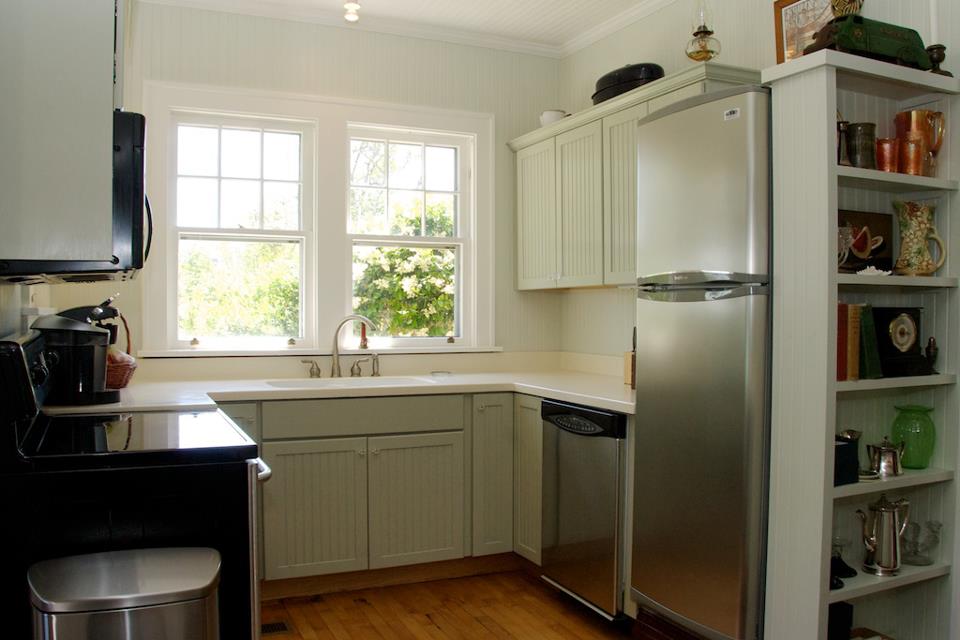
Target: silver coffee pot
point(885, 458)
point(882, 531)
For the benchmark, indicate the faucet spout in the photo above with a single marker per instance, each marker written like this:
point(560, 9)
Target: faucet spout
point(335, 368)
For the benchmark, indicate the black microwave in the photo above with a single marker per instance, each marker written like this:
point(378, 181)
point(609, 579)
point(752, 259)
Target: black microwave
point(131, 233)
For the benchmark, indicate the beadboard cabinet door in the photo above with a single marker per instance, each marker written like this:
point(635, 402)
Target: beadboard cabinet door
point(315, 507)
point(620, 195)
point(528, 469)
point(416, 498)
point(537, 238)
point(492, 473)
point(580, 205)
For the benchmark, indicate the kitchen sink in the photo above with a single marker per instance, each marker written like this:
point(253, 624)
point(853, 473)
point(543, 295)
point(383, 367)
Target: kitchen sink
point(334, 383)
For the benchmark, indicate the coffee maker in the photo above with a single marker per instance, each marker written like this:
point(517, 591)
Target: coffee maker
point(76, 344)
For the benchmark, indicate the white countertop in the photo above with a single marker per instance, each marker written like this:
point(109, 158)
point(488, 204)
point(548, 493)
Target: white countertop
point(602, 392)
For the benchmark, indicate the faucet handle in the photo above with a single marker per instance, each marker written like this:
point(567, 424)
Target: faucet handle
point(314, 368)
point(355, 371)
point(376, 364)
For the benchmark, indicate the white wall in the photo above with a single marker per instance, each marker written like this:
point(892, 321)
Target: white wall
point(746, 33)
point(9, 309)
point(185, 45)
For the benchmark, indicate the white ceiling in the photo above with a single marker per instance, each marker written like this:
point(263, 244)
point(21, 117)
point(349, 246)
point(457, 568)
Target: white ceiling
point(545, 27)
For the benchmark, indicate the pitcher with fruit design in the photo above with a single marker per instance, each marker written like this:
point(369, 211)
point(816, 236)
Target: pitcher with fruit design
point(916, 231)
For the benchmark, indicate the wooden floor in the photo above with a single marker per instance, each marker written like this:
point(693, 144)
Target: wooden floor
point(501, 605)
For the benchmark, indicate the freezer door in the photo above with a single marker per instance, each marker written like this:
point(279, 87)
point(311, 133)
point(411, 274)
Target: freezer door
point(700, 459)
point(703, 186)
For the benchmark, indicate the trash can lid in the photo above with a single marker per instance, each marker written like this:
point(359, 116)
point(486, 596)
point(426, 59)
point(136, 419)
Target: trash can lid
point(123, 579)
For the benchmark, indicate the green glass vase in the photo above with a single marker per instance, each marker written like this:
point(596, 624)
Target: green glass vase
point(916, 430)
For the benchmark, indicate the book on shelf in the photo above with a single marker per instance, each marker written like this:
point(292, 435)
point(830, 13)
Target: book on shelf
point(857, 354)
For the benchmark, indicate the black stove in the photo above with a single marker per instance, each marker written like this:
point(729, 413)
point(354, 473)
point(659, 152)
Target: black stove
point(75, 484)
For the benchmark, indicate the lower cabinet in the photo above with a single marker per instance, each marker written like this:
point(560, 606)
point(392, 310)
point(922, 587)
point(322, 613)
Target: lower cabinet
point(492, 473)
point(416, 498)
point(315, 507)
point(528, 471)
point(327, 494)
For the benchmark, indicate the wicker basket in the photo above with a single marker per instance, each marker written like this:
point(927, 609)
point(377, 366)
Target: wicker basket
point(119, 374)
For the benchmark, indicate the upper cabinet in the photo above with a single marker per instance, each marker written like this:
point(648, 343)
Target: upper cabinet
point(577, 184)
point(56, 129)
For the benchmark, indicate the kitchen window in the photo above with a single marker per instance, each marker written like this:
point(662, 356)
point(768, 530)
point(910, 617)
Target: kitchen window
point(409, 233)
point(278, 215)
point(243, 233)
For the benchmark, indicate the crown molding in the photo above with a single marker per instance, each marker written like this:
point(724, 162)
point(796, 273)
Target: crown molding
point(367, 23)
point(266, 9)
point(612, 25)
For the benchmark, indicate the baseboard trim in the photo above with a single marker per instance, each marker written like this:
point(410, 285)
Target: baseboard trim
point(354, 580)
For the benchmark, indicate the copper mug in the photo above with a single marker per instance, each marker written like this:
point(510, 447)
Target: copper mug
point(922, 125)
point(888, 154)
point(914, 157)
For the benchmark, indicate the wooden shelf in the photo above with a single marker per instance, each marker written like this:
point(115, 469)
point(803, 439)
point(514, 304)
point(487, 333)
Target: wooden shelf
point(910, 478)
point(857, 178)
point(864, 75)
point(896, 383)
point(852, 280)
point(865, 584)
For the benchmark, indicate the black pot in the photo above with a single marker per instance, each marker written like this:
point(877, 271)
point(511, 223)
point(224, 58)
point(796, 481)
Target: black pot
point(626, 78)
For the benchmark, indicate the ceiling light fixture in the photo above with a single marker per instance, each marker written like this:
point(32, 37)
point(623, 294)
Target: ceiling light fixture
point(352, 8)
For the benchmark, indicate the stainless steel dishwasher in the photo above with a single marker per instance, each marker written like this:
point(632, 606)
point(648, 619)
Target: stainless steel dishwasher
point(583, 470)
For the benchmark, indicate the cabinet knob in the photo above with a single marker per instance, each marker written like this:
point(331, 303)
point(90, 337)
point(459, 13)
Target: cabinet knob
point(482, 407)
point(375, 452)
point(362, 452)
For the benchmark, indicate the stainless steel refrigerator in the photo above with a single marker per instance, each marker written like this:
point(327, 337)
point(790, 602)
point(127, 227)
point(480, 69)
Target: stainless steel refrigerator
point(703, 363)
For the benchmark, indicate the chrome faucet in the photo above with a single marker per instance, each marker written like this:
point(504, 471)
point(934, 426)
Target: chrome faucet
point(335, 369)
point(314, 368)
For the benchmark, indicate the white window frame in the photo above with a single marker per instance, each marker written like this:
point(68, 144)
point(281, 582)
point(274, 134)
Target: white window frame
point(462, 241)
point(330, 265)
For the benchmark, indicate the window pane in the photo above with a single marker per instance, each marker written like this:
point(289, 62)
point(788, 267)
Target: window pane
point(281, 156)
point(406, 166)
point(407, 291)
point(238, 288)
point(441, 168)
point(240, 204)
point(368, 163)
point(406, 213)
point(239, 153)
point(197, 202)
point(196, 151)
point(441, 214)
point(281, 205)
point(368, 211)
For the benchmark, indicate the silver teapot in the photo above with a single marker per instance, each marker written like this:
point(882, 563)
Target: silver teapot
point(885, 458)
point(882, 531)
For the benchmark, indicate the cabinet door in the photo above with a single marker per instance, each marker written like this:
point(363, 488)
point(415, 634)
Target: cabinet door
point(492, 473)
point(416, 498)
point(315, 507)
point(620, 195)
point(528, 468)
point(580, 205)
point(537, 217)
point(56, 129)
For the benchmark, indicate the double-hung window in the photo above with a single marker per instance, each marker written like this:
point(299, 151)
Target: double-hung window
point(242, 232)
point(409, 227)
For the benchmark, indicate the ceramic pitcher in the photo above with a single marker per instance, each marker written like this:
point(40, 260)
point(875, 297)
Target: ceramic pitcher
point(925, 128)
point(916, 231)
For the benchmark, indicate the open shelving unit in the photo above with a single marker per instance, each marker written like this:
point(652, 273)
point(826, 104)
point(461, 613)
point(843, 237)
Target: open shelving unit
point(809, 406)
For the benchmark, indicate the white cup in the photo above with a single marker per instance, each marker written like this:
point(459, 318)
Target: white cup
point(552, 115)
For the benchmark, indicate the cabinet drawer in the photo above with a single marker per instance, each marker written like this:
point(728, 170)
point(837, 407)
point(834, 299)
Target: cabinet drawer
point(361, 416)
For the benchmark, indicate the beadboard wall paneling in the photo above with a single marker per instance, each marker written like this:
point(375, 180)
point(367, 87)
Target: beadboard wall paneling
point(183, 45)
point(598, 321)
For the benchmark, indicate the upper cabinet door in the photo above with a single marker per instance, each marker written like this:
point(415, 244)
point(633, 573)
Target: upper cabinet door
point(537, 217)
point(56, 129)
point(620, 195)
point(580, 204)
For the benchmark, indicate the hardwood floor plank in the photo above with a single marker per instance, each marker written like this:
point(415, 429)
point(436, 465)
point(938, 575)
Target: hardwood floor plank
point(500, 606)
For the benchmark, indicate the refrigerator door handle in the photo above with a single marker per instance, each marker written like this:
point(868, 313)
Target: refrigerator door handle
point(700, 278)
point(700, 294)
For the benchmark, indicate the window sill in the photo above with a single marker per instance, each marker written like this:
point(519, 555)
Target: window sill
point(304, 352)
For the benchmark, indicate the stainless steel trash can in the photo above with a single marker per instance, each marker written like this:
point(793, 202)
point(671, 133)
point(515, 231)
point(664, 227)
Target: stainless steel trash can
point(160, 594)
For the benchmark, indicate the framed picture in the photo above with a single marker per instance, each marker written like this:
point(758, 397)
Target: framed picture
point(864, 240)
point(796, 22)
